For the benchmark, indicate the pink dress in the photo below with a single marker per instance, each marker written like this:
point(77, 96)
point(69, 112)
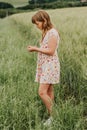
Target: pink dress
point(48, 67)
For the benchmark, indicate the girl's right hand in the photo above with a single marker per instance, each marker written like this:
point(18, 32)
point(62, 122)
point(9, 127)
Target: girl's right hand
point(32, 48)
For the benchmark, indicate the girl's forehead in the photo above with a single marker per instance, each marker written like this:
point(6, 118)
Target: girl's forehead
point(37, 22)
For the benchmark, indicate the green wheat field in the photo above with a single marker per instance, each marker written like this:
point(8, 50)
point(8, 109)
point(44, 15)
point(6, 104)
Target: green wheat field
point(20, 106)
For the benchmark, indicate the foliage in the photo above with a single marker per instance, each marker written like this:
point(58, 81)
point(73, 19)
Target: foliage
point(46, 5)
point(49, 1)
point(4, 5)
point(54, 5)
point(7, 12)
point(40, 1)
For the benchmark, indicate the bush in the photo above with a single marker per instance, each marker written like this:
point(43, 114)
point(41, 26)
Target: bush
point(7, 12)
point(53, 5)
point(6, 9)
point(4, 5)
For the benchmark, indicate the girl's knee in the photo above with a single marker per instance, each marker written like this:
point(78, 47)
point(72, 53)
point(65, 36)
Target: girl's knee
point(43, 89)
point(41, 93)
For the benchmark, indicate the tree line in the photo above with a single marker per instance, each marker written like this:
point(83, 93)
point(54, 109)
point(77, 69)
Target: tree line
point(48, 1)
point(8, 9)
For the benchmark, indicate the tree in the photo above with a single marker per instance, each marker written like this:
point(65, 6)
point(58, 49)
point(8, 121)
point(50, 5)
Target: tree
point(40, 1)
point(4, 5)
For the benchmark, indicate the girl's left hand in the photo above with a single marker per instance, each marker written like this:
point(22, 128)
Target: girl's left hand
point(32, 48)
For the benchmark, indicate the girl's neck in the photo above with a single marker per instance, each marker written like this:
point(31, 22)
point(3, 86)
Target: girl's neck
point(44, 32)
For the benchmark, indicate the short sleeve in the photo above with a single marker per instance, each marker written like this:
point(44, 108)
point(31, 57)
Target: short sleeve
point(53, 32)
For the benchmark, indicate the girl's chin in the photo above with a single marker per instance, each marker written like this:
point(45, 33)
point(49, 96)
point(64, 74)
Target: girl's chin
point(40, 28)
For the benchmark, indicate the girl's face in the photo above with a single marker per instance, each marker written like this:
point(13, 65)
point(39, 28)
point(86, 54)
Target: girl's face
point(39, 24)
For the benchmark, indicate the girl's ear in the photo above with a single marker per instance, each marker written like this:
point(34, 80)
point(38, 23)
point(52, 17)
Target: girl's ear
point(45, 23)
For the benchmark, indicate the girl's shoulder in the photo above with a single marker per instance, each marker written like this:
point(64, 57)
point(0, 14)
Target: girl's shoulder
point(53, 32)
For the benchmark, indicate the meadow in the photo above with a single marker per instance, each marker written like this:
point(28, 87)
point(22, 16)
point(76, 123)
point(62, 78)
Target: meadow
point(16, 3)
point(20, 106)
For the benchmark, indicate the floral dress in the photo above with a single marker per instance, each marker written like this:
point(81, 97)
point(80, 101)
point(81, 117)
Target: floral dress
point(48, 67)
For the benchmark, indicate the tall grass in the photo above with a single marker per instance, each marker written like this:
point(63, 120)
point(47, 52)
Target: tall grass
point(20, 105)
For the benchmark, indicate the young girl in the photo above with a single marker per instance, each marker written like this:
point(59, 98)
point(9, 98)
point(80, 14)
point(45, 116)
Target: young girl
point(48, 65)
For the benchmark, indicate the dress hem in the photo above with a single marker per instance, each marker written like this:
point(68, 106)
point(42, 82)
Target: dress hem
point(48, 82)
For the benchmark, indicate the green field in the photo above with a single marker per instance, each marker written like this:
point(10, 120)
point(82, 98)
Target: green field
point(20, 106)
point(16, 3)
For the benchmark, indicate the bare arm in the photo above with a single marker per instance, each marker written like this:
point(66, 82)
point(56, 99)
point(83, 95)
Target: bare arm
point(52, 43)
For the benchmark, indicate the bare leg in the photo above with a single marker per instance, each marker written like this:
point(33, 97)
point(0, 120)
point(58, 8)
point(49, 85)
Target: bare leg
point(51, 92)
point(43, 93)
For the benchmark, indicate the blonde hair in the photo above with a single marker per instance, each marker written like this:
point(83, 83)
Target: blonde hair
point(42, 16)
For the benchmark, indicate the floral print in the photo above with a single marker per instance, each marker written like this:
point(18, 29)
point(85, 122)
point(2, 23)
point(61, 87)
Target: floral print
point(48, 67)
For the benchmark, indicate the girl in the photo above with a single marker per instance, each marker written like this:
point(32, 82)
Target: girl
point(48, 65)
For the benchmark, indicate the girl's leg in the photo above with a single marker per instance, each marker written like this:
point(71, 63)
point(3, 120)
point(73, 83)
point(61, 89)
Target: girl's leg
point(43, 93)
point(51, 92)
